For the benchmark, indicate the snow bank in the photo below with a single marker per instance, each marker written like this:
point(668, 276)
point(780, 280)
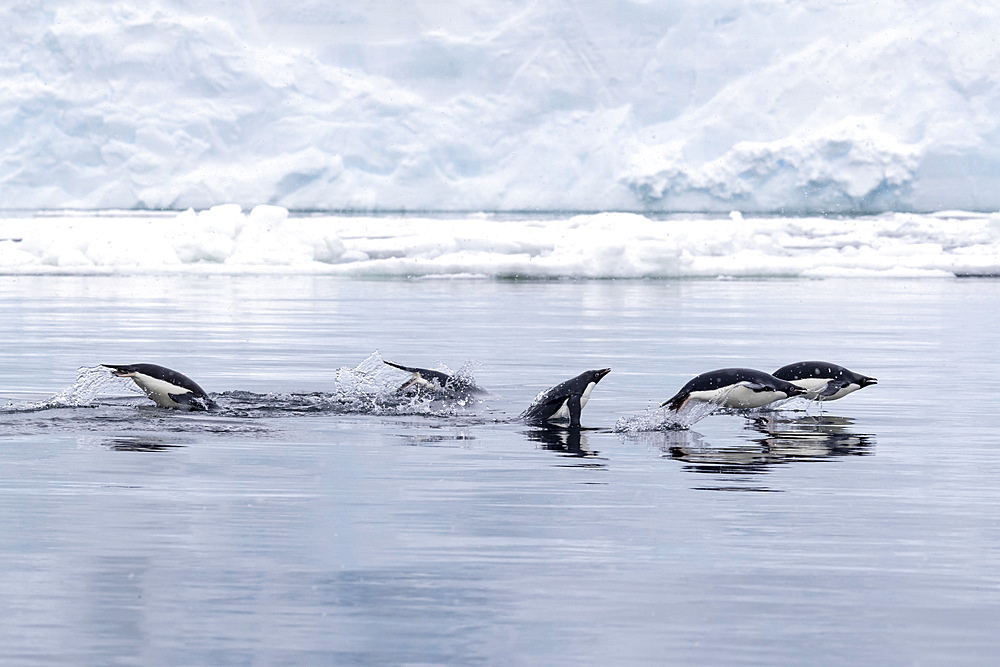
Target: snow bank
point(767, 105)
point(225, 239)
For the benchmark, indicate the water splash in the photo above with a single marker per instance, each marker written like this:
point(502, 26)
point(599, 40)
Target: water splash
point(371, 387)
point(91, 382)
point(794, 404)
point(665, 440)
point(665, 419)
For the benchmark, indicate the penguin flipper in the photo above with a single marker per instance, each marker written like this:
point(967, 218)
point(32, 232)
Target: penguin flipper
point(409, 384)
point(189, 401)
point(575, 410)
point(755, 387)
point(832, 387)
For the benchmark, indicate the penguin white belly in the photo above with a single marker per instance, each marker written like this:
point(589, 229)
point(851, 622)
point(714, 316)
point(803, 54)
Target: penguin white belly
point(813, 386)
point(159, 390)
point(585, 396)
point(843, 391)
point(737, 396)
point(743, 398)
point(711, 395)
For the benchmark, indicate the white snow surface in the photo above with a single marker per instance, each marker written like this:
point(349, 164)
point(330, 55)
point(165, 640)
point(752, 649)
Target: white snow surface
point(793, 106)
point(267, 239)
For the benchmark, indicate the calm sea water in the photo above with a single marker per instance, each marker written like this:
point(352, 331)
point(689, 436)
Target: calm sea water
point(865, 533)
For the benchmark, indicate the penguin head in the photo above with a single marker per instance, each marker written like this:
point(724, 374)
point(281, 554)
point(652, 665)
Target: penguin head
point(790, 389)
point(595, 376)
point(121, 371)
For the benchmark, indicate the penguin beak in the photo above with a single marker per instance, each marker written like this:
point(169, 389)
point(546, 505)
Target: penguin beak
point(868, 381)
point(600, 374)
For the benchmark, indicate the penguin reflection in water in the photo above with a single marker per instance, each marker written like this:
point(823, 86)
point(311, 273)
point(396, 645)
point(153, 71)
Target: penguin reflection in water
point(564, 402)
point(167, 388)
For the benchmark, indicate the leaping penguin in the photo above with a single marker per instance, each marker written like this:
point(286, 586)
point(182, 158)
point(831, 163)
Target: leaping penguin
point(422, 378)
point(822, 380)
point(167, 388)
point(433, 381)
point(740, 388)
point(564, 401)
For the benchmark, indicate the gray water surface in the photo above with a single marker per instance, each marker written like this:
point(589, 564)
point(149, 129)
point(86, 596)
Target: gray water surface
point(865, 532)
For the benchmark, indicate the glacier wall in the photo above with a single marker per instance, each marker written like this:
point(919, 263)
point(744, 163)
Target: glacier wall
point(790, 106)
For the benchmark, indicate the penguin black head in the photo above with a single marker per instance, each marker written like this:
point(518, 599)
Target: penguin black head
point(596, 376)
point(791, 389)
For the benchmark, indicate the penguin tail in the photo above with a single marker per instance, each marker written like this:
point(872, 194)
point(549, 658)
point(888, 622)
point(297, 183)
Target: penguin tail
point(402, 368)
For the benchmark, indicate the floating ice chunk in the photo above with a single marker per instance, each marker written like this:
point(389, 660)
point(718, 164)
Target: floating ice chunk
point(270, 240)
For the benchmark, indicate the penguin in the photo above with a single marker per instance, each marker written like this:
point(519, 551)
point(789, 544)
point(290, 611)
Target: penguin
point(434, 381)
point(822, 380)
point(167, 388)
point(564, 401)
point(740, 388)
point(422, 378)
